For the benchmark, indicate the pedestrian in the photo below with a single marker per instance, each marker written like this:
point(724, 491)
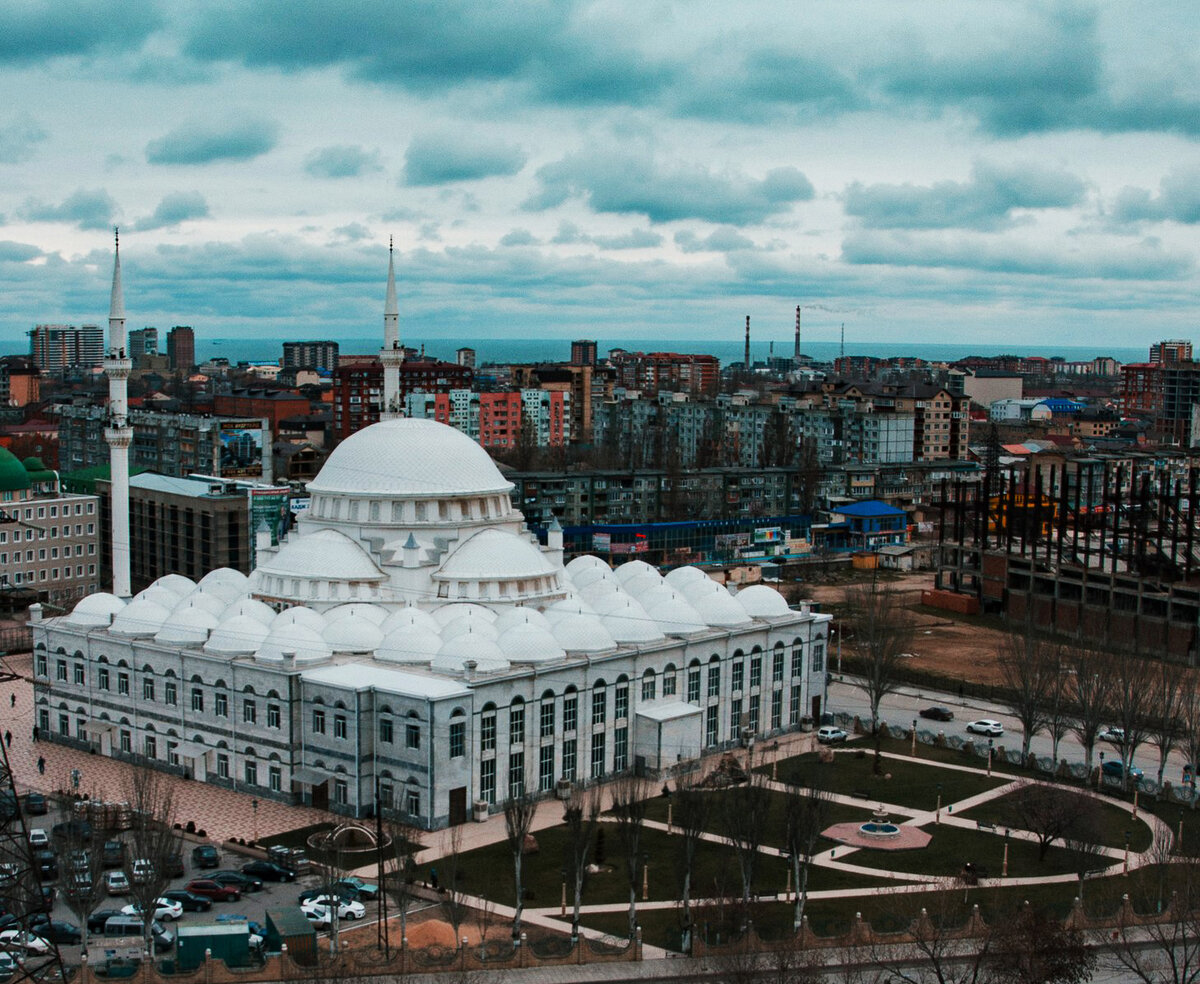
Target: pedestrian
point(433, 878)
point(41, 765)
point(35, 734)
point(8, 739)
point(12, 700)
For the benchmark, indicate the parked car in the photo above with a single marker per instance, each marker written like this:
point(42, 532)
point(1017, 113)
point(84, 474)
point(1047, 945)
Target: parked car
point(38, 838)
point(1115, 768)
point(322, 905)
point(12, 939)
point(213, 890)
point(165, 910)
point(113, 854)
point(986, 726)
point(80, 859)
point(8, 966)
point(78, 830)
point(116, 883)
point(206, 856)
point(937, 713)
point(173, 865)
point(47, 864)
point(55, 930)
point(268, 871)
point(344, 892)
point(243, 883)
point(190, 901)
point(35, 805)
point(366, 891)
point(141, 871)
point(8, 873)
point(829, 735)
point(96, 921)
point(1115, 736)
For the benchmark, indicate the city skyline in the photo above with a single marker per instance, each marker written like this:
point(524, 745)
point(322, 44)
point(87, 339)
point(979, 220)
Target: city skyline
point(995, 174)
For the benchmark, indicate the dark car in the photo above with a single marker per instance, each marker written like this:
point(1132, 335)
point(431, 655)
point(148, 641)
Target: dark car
point(174, 865)
point(937, 713)
point(113, 854)
point(55, 930)
point(77, 830)
point(268, 871)
point(35, 804)
point(206, 856)
point(47, 864)
point(96, 921)
point(213, 890)
point(190, 901)
point(366, 891)
point(243, 883)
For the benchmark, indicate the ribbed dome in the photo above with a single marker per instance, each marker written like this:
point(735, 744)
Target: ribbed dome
point(530, 644)
point(95, 611)
point(188, 626)
point(177, 584)
point(160, 596)
point(644, 582)
point(627, 621)
point(632, 569)
point(567, 607)
point(409, 457)
point(582, 634)
point(202, 599)
point(520, 616)
point(683, 576)
point(299, 615)
point(251, 608)
point(353, 634)
point(676, 617)
point(411, 643)
point(584, 562)
point(448, 613)
point(13, 476)
point(141, 617)
point(582, 577)
point(372, 613)
point(762, 602)
point(606, 588)
point(226, 583)
point(495, 555)
point(716, 605)
point(240, 635)
point(453, 655)
point(305, 642)
point(411, 616)
point(656, 594)
point(467, 626)
point(325, 555)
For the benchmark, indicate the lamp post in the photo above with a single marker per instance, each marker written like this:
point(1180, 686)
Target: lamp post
point(775, 761)
point(645, 876)
point(990, 744)
point(1135, 799)
point(1179, 839)
point(938, 816)
point(254, 810)
point(562, 909)
point(1127, 852)
point(1100, 772)
point(914, 738)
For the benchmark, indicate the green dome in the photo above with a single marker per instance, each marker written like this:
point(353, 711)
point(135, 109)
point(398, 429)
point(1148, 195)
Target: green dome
point(13, 476)
point(37, 470)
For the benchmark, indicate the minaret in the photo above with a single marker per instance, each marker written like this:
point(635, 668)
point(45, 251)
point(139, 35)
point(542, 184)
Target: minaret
point(118, 433)
point(391, 355)
point(796, 354)
point(746, 362)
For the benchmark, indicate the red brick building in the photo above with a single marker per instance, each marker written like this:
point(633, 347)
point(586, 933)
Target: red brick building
point(275, 405)
point(671, 371)
point(358, 388)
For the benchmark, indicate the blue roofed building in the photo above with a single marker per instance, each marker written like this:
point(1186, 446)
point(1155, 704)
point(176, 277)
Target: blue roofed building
point(862, 526)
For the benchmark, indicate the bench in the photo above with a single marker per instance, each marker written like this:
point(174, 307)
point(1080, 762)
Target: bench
point(985, 825)
point(862, 794)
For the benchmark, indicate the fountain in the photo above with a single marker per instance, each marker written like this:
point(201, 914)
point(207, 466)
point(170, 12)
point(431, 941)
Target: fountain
point(879, 833)
point(879, 825)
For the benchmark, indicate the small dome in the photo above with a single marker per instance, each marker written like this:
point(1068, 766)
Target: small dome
point(372, 613)
point(353, 634)
point(448, 613)
point(568, 607)
point(676, 617)
point(762, 602)
point(601, 589)
point(582, 634)
point(302, 640)
point(240, 635)
point(95, 611)
point(226, 583)
point(581, 577)
point(530, 644)
point(177, 584)
point(251, 608)
point(13, 476)
point(695, 590)
point(682, 576)
point(469, 626)
point(160, 596)
point(202, 599)
point(584, 562)
point(495, 555)
point(187, 627)
point(656, 595)
point(644, 582)
point(411, 616)
point(524, 615)
point(141, 617)
point(411, 643)
point(453, 655)
point(299, 615)
point(721, 609)
point(632, 569)
point(627, 621)
point(325, 555)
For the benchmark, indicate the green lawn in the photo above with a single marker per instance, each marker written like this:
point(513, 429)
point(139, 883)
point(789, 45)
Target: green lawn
point(1112, 821)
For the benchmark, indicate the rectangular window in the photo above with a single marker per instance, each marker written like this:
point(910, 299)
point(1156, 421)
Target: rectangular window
point(818, 659)
point(341, 792)
point(755, 671)
point(776, 710)
point(171, 694)
point(103, 679)
point(385, 731)
point(148, 688)
point(753, 713)
point(621, 704)
point(516, 774)
point(599, 706)
point(487, 780)
point(735, 718)
point(714, 680)
point(61, 670)
point(736, 680)
point(273, 716)
point(648, 687)
point(620, 749)
point(412, 736)
point(487, 732)
point(546, 719)
point(197, 699)
point(516, 725)
point(221, 705)
point(41, 664)
point(318, 722)
point(222, 765)
point(412, 802)
point(570, 713)
point(693, 693)
point(251, 773)
point(777, 666)
point(797, 660)
point(458, 739)
point(339, 726)
point(669, 684)
point(546, 768)
point(126, 741)
point(249, 712)
point(794, 713)
point(570, 748)
point(123, 684)
point(78, 674)
point(275, 779)
point(597, 756)
point(150, 747)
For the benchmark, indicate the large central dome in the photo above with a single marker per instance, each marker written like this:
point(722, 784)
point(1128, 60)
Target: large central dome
point(409, 457)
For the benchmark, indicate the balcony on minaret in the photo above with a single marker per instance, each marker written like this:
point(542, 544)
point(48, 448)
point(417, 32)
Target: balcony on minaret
point(118, 368)
point(118, 436)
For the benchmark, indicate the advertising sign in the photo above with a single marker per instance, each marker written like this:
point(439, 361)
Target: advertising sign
point(268, 506)
point(241, 448)
point(772, 534)
point(601, 542)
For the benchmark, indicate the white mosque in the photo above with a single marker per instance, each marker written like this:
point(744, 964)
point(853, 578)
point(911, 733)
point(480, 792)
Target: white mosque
point(411, 644)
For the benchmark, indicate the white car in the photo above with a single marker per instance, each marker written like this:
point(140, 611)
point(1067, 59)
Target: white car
point(830, 735)
point(1114, 735)
point(986, 726)
point(8, 966)
point(38, 838)
point(346, 909)
point(141, 870)
point(116, 882)
point(11, 939)
point(165, 910)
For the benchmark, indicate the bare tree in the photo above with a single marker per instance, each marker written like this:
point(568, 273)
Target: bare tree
point(519, 811)
point(452, 890)
point(152, 840)
point(1058, 703)
point(806, 814)
point(1026, 668)
point(1090, 696)
point(745, 813)
point(691, 812)
point(1082, 838)
point(1050, 813)
point(1169, 685)
point(1131, 698)
point(937, 950)
point(882, 638)
point(629, 794)
point(1189, 740)
point(80, 884)
point(400, 873)
point(1031, 947)
point(581, 815)
point(485, 915)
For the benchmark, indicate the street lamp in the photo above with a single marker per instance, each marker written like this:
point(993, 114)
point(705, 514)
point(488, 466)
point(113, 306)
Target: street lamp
point(562, 911)
point(1100, 773)
point(1127, 852)
point(938, 816)
point(254, 808)
point(645, 876)
point(991, 742)
point(914, 738)
point(1179, 839)
point(1004, 867)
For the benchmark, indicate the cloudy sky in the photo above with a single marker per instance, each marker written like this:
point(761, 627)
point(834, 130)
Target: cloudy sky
point(1002, 173)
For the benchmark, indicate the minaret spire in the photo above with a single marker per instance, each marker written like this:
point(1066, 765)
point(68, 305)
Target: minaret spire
point(796, 354)
point(118, 434)
point(391, 355)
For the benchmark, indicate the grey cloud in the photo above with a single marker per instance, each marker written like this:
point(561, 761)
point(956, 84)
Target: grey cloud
point(986, 201)
point(13, 252)
point(87, 209)
point(569, 234)
point(1178, 200)
point(32, 30)
point(354, 232)
point(203, 143)
point(18, 139)
point(720, 241)
point(342, 162)
point(1147, 260)
point(443, 158)
point(519, 237)
point(180, 206)
point(636, 183)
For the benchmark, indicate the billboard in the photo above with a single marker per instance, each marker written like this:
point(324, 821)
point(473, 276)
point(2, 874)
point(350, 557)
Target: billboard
point(240, 448)
point(270, 506)
point(771, 534)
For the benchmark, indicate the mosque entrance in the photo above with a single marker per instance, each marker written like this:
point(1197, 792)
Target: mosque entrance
point(458, 806)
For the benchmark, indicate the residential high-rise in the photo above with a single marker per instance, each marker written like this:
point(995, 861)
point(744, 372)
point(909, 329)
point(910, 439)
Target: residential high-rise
point(583, 352)
point(142, 342)
point(181, 348)
point(58, 348)
point(1171, 352)
point(465, 357)
point(310, 355)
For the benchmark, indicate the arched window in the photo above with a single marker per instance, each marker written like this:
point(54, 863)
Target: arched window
point(649, 685)
point(516, 721)
point(599, 702)
point(668, 680)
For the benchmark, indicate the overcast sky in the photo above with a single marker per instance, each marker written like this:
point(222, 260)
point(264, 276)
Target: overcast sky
point(1006, 173)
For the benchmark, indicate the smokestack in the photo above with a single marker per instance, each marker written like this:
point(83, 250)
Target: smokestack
point(796, 354)
point(746, 361)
